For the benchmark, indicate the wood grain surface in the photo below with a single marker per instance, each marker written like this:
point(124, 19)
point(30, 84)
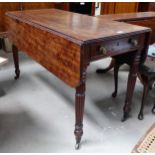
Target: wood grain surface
point(62, 42)
point(58, 55)
point(146, 19)
point(76, 27)
point(129, 16)
point(55, 38)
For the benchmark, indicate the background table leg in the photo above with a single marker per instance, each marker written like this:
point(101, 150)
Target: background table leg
point(116, 69)
point(134, 68)
point(145, 92)
point(16, 61)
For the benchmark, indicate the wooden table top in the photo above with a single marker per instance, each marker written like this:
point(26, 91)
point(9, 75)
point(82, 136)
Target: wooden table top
point(129, 16)
point(75, 27)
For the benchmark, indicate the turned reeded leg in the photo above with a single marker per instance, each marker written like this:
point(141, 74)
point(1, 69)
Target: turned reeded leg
point(79, 110)
point(116, 68)
point(16, 61)
point(145, 92)
point(112, 64)
point(134, 68)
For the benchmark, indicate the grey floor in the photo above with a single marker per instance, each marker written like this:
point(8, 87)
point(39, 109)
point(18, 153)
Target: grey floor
point(37, 111)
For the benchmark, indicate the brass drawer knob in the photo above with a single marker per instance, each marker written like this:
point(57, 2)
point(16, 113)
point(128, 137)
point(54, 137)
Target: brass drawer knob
point(134, 42)
point(103, 50)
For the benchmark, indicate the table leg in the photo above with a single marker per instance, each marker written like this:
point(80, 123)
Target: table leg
point(134, 67)
point(16, 61)
point(145, 92)
point(79, 110)
point(116, 69)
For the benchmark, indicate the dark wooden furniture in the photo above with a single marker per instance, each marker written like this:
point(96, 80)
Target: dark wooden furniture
point(147, 78)
point(3, 35)
point(118, 7)
point(146, 6)
point(146, 19)
point(66, 48)
point(18, 6)
point(22, 6)
point(146, 75)
point(126, 7)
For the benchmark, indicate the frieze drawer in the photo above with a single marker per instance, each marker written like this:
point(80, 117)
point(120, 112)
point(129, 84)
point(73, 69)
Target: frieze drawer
point(112, 48)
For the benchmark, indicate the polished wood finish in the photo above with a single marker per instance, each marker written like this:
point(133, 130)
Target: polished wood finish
point(4, 7)
point(79, 110)
point(107, 8)
point(65, 46)
point(18, 6)
point(118, 7)
point(146, 19)
point(36, 5)
point(81, 29)
point(147, 23)
point(146, 6)
point(76, 35)
point(126, 7)
point(58, 55)
point(21, 6)
point(125, 17)
point(93, 9)
point(116, 47)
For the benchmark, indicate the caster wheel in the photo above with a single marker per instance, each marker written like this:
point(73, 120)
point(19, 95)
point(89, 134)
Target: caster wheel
point(16, 77)
point(125, 116)
point(114, 95)
point(153, 110)
point(123, 119)
point(77, 146)
point(140, 117)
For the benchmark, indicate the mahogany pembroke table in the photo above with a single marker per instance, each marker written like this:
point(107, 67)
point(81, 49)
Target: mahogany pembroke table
point(66, 43)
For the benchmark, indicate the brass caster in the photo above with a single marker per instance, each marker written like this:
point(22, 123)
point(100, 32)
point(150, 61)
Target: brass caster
point(17, 74)
point(77, 146)
point(125, 116)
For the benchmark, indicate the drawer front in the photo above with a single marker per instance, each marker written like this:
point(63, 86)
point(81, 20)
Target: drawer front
point(116, 47)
